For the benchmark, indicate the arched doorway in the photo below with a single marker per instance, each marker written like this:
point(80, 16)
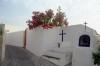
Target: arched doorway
point(84, 41)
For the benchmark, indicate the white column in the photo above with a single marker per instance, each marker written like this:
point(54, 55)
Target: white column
point(2, 42)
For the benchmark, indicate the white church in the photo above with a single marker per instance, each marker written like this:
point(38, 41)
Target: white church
point(66, 46)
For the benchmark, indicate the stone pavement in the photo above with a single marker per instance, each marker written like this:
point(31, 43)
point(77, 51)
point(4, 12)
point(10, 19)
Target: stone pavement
point(17, 56)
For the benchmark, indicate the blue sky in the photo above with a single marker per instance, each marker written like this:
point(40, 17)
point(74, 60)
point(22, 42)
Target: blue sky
point(14, 13)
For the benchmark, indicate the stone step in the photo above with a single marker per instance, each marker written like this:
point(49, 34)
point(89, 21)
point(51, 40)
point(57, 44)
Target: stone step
point(64, 57)
point(48, 56)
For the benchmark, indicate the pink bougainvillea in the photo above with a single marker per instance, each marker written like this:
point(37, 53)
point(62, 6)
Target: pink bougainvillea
point(47, 19)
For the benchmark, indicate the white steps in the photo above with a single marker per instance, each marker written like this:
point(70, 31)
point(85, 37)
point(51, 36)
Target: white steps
point(62, 53)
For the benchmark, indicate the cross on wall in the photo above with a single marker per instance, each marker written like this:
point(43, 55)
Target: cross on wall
point(62, 34)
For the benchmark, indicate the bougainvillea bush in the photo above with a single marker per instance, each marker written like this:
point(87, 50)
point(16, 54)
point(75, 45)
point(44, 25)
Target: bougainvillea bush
point(47, 19)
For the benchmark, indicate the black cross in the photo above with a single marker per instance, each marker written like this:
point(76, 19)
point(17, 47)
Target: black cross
point(85, 24)
point(59, 9)
point(62, 34)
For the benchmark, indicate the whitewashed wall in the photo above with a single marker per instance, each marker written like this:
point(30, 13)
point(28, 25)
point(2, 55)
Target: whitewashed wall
point(39, 40)
point(15, 38)
point(82, 56)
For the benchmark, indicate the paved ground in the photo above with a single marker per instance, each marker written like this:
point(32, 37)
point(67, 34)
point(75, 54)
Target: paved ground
point(17, 56)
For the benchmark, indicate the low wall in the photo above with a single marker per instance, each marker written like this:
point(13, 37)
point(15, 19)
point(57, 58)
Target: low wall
point(15, 38)
point(39, 40)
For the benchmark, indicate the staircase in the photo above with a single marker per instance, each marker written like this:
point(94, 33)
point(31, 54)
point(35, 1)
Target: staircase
point(60, 56)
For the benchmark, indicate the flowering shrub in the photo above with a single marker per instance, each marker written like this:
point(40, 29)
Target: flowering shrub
point(47, 19)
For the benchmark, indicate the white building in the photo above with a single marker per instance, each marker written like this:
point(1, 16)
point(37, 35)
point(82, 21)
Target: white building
point(76, 48)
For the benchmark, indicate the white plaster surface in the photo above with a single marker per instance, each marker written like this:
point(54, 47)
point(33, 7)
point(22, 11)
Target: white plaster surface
point(82, 56)
point(15, 38)
point(42, 41)
point(39, 40)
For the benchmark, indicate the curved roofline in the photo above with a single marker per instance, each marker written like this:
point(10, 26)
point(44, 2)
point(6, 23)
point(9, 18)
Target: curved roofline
point(81, 25)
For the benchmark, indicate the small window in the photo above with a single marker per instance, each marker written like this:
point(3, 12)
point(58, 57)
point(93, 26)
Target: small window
point(84, 41)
